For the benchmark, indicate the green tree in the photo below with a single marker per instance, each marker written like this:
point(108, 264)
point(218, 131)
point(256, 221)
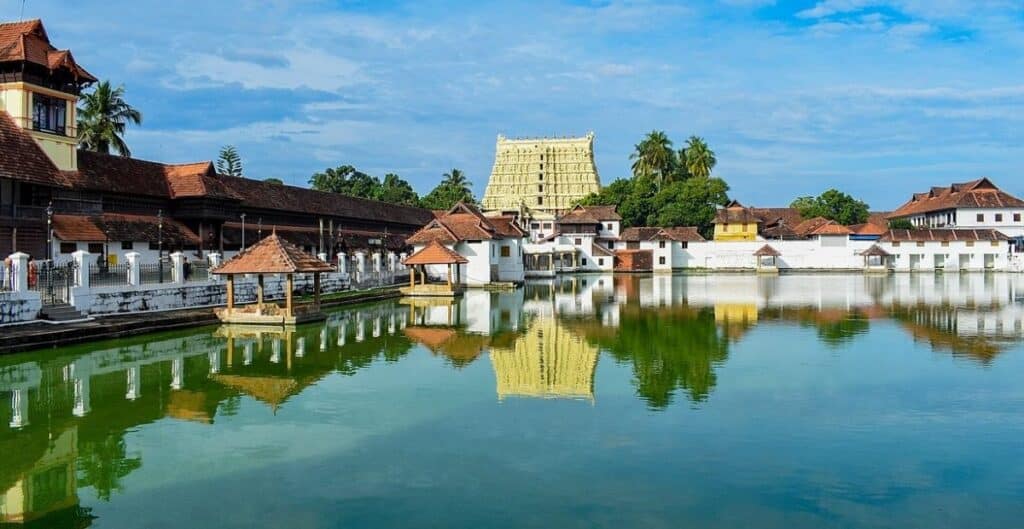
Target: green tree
point(455, 187)
point(632, 197)
point(346, 180)
point(901, 224)
point(103, 116)
point(396, 190)
point(698, 158)
point(692, 202)
point(229, 162)
point(833, 205)
point(102, 464)
point(654, 158)
point(275, 181)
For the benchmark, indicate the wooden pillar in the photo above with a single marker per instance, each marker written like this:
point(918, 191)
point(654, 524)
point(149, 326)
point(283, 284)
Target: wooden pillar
point(231, 292)
point(412, 276)
point(316, 290)
point(289, 286)
point(259, 294)
point(449, 275)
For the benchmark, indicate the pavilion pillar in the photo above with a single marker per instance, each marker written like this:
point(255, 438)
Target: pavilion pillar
point(449, 275)
point(289, 286)
point(259, 295)
point(316, 290)
point(231, 291)
point(412, 277)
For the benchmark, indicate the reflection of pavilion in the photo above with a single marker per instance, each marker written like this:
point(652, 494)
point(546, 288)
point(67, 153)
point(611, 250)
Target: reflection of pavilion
point(546, 361)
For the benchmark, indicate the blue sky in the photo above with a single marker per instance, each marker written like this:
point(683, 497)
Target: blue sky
point(878, 98)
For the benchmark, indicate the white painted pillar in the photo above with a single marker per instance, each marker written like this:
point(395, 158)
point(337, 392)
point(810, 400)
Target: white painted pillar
point(134, 375)
point(215, 261)
point(391, 323)
point(342, 263)
point(401, 260)
point(360, 328)
point(300, 347)
point(376, 327)
point(360, 265)
point(19, 408)
point(247, 354)
point(177, 373)
point(275, 355)
point(342, 331)
point(322, 256)
point(323, 338)
point(19, 268)
point(392, 262)
point(134, 270)
point(376, 262)
point(82, 262)
point(178, 267)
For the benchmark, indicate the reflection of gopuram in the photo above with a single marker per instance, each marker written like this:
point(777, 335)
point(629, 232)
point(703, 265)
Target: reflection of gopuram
point(547, 361)
point(47, 487)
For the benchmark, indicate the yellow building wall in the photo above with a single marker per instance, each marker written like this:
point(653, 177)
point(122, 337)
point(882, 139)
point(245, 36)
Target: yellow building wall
point(16, 100)
point(736, 232)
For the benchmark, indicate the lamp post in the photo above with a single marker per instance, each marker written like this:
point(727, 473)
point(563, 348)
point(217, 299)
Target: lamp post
point(243, 231)
point(259, 228)
point(160, 244)
point(49, 231)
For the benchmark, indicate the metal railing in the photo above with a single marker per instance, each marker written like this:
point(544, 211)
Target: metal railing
point(197, 271)
point(151, 273)
point(106, 275)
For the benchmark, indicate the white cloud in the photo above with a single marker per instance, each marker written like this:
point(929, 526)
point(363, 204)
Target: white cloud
point(306, 67)
point(827, 8)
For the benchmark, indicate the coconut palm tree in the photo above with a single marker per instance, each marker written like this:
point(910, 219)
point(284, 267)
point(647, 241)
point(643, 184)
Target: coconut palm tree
point(654, 158)
point(103, 117)
point(457, 180)
point(698, 158)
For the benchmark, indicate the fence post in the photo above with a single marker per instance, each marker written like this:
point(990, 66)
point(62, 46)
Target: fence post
point(177, 267)
point(322, 256)
point(82, 263)
point(401, 260)
point(134, 272)
point(215, 259)
point(19, 269)
point(342, 263)
point(360, 265)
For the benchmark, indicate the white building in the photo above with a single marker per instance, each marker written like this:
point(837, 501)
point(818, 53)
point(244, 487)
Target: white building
point(978, 204)
point(492, 245)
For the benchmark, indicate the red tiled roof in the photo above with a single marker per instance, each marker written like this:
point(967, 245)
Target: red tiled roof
point(117, 174)
point(875, 250)
point(774, 216)
point(926, 235)
point(273, 255)
point(806, 227)
point(435, 253)
point(27, 41)
point(589, 215)
point(737, 214)
point(831, 228)
point(122, 227)
point(196, 180)
point(683, 234)
point(465, 223)
point(647, 233)
point(22, 159)
point(767, 251)
point(868, 228)
point(981, 193)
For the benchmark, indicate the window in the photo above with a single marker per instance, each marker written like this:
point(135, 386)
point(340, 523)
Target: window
point(127, 245)
point(661, 260)
point(725, 227)
point(95, 248)
point(48, 114)
point(577, 241)
point(981, 217)
point(547, 225)
point(542, 165)
point(945, 243)
point(154, 245)
point(609, 227)
point(995, 243)
point(611, 245)
point(535, 226)
point(506, 251)
point(68, 247)
point(540, 188)
point(584, 262)
point(970, 243)
point(600, 261)
point(540, 201)
point(683, 244)
point(540, 176)
point(999, 217)
point(1016, 217)
point(895, 244)
point(919, 243)
point(661, 244)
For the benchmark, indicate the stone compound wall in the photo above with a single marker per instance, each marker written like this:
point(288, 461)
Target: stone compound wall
point(128, 299)
point(16, 307)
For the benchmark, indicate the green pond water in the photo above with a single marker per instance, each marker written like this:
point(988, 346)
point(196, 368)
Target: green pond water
point(815, 401)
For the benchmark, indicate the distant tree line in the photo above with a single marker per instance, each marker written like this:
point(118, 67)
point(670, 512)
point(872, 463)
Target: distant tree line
point(348, 180)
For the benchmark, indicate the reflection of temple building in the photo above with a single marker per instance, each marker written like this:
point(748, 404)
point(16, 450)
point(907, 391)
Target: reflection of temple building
point(47, 487)
point(735, 319)
point(546, 361)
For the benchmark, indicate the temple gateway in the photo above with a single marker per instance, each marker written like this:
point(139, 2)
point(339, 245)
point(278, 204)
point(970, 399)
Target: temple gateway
point(545, 176)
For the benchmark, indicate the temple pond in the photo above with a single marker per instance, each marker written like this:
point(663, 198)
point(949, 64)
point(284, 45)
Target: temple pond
point(814, 401)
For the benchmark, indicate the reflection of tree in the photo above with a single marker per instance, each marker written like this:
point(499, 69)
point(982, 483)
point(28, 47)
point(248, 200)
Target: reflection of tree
point(670, 349)
point(76, 517)
point(231, 405)
point(836, 333)
point(102, 464)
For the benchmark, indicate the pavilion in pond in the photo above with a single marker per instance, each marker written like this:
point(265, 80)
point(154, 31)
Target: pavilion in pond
point(434, 256)
point(272, 256)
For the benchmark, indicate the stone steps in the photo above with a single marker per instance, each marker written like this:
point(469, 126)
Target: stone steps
point(60, 312)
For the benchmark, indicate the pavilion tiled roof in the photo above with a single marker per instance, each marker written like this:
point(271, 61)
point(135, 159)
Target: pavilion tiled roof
point(767, 251)
point(980, 193)
point(875, 251)
point(273, 255)
point(464, 222)
point(589, 215)
point(22, 159)
point(926, 235)
point(27, 41)
point(435, 253)
point(122, 227)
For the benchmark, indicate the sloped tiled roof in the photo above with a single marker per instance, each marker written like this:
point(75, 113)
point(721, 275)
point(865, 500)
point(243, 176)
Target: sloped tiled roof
point(122, 227)
point(464, 222)
point(589, 214)
point(22, 159)
point(435, 253)
point(196, 180)
point(980, 193)
point(646, 233)
point(118, 174)
point(831, 228)
point(767, 251)
point(27, 41)
point(925, 235)
point(806, 227)
point(737, 215)
point(868, 228)
point(875, 251)
point(775, 216)
point(273, 255)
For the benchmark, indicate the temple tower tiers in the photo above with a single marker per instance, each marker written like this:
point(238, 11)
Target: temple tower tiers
point(544, 175)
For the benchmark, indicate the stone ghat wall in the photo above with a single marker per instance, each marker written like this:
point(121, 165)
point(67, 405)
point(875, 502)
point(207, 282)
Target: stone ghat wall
point(129, 299)
point(16, 307)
